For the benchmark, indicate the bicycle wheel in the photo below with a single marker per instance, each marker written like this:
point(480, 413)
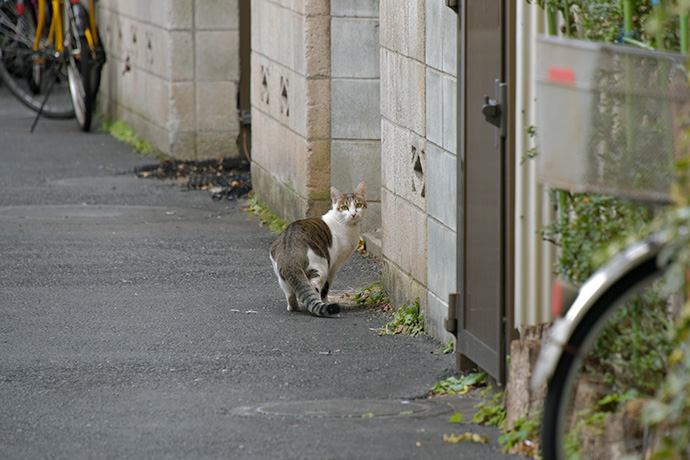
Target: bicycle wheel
point(37, 78)
point(81, 68)
point(614, 362)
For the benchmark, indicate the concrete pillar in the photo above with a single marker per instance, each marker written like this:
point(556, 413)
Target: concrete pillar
point(291, 106)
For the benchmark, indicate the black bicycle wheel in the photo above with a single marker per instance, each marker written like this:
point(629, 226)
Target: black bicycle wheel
point(37, 78)
point(613, 364)
point(81, 68)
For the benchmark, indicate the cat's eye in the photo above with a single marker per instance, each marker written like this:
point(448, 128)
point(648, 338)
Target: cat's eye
point(358, 205)
point(344, 207)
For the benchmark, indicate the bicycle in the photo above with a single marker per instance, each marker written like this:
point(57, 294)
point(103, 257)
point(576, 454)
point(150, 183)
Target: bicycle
point(51, 56)
point(607, 356)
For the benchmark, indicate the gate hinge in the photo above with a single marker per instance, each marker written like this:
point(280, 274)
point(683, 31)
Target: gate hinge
point(451, 324)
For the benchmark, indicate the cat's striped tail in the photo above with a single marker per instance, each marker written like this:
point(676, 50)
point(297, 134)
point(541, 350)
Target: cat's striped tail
point(308, 299)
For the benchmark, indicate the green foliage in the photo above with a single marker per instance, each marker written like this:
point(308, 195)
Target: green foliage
point(532, 152)
point(456, 418)
point(630, 353)
point(587, 226)
point(449, 348)
point(491, 412)
point(523, 437)
point(124, 132)
point(275, 224)
point(406, 320)
point(373, 296)
point(636, 352)
point(668, 413)
point(603, 20)
point(464, 384)
point(593, 419)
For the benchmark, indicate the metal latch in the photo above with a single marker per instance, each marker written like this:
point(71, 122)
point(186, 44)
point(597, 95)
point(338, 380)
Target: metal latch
point(492, 111)
point(495, 111)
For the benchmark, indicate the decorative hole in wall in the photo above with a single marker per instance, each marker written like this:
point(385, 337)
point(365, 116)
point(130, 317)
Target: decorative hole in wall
point(149, 47)
point(284, 106)
point(264, 85)
point(418, 179)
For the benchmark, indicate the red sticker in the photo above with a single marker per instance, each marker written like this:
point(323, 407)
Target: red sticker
point(561, 75)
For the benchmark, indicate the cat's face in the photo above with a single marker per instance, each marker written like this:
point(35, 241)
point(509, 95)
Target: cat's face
point(350, 208)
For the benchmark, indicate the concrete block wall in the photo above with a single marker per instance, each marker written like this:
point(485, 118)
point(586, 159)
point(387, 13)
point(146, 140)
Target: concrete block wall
point(355, 116)
point(441, 133)
point(291, 106)
point(418, 137)
point(173, 73)
point(315, 109)
point(403, 151)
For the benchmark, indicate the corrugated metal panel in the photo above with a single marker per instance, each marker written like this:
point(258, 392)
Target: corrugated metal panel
point(533, 257)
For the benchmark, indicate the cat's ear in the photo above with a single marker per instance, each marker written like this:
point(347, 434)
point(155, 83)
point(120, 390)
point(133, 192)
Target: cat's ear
point(360, 190)
point(335, 195)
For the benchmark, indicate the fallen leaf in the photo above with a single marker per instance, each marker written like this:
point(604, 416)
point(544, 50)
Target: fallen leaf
point(456, 418)
point(472, 437)
point(368, 415)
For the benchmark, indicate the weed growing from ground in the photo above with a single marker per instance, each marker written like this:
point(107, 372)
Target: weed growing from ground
point(491, 412)
point(373, 296)
point(462, 385)
point(449, 348)
point(124, 132)
point(275, 224)
point(523, 438)
point(406, 320)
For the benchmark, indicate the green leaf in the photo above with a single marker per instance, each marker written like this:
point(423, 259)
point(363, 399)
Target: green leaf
point(456, 418)
point(368, 415)
point(474, 379)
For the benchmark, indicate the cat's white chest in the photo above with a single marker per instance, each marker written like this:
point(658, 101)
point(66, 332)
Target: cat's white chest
point(344, 245)
point(345, 241)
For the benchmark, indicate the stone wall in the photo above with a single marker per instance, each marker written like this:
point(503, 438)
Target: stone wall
point(418, 136)
point(173, 73)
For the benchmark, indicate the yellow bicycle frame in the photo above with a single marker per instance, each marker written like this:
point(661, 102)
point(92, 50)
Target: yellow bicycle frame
point(55, 31)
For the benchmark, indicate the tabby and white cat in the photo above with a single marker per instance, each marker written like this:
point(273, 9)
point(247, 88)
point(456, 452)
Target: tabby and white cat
point(310, 251)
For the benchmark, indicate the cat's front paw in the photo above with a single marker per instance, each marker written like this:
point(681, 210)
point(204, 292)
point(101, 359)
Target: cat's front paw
point(333, 309)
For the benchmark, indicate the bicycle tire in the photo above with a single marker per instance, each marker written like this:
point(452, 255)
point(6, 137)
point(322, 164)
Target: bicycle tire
point(81, 68)
point(559, 414)
point(30, 83)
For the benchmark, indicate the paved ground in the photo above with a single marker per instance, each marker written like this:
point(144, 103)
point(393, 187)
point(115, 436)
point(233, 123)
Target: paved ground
point(142, 320)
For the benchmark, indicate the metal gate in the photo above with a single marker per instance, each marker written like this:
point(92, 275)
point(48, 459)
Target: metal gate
point(480, 314)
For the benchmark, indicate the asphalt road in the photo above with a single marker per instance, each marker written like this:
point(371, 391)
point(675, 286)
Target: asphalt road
point(142, 320)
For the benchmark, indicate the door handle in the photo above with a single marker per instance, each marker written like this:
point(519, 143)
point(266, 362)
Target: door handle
point(495, 111)
point(492, 111)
